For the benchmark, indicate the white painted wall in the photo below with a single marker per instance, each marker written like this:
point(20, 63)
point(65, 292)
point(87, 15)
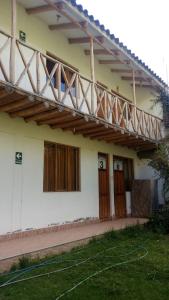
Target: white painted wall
point(23, 204)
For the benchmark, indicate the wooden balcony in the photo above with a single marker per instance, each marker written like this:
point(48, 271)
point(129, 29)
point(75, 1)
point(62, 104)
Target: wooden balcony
point(62, 98)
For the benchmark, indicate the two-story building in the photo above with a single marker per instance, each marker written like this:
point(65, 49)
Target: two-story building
point(76, 112)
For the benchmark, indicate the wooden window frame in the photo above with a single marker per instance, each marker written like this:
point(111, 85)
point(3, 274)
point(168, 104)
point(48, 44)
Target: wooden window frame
point(60, 168)
point(69, 71)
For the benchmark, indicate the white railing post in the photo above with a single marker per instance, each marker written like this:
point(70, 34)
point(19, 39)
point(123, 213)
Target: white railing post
point(13, 42)
point(92, 74)
point(59, 71)
point(38, 71)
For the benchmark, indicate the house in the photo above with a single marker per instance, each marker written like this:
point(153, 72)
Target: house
point(76, 115)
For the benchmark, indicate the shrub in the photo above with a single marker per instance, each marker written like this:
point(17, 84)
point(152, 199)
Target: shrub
point(159, 222)
point(24, 262)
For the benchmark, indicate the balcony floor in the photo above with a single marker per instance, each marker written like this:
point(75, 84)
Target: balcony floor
point(22, 104)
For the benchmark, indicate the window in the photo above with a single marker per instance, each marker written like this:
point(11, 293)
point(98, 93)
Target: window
point(61, 168)
point(68, 73)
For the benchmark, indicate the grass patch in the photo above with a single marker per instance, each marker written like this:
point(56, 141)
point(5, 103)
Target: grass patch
point(129, 264)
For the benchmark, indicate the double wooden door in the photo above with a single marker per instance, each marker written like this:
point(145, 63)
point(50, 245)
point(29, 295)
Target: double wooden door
point(104, 194)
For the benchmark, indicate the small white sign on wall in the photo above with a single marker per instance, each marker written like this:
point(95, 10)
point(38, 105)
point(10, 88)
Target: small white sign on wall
point(118, 165)
point(102, 163)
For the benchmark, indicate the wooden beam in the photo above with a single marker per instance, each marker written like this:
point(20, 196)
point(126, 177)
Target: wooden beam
point(43, 115)
point(138, 78)
point(70, 121)
point(130, 142)
point(73, 123)
point(83, 40)
point(84, 127)
point(3, 94)
point(109, 135)
point(29, 111)
point(67, 26)
point(105, 134)
point(102, 52)
point(148, 145)
point(111, 61)
point(14, 105)
point(94, 131)
point(8, 98)
point(118, 137)
point(62, 117)
point(44, 8)
point(6, 101)
point(129, 71)
point(144, 85)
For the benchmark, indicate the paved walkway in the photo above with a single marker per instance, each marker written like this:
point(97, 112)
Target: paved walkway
point(16, 247)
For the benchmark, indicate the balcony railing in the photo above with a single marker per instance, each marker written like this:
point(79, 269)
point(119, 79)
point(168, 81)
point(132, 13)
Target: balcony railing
point(45, 77)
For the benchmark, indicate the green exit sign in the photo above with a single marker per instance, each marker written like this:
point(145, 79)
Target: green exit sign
point(22, 36)
point(18, 158)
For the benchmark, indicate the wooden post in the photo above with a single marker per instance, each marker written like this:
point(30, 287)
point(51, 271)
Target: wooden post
point(58, 72)
point(13, 41)
point(38, 71)
point(92, 73)
point(134, 88)
point(134, 98)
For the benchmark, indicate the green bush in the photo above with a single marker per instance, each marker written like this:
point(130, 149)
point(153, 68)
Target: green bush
point(159, 222)
point(24, 262)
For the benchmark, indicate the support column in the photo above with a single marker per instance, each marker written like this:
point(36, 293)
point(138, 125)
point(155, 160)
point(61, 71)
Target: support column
point(13, 42)
point(92, 73)
point(134, 99)
point(134, 88)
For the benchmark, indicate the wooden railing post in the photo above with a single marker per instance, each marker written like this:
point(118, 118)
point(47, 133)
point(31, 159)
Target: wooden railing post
point(77, 91)
point(127, 114)
point(134, 97)
point(13, 42)
point(92, 74)
point(134, 88)
point(135, 118)
point(59, 70)
point(116, 111)
point(38, 71)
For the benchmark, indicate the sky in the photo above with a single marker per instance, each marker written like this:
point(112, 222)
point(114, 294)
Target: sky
point(142, 25)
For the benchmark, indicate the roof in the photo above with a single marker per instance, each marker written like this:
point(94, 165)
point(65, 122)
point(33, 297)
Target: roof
point(116, 40)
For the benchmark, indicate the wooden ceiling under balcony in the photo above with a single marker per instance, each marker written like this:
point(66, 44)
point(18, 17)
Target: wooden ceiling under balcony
point(23, 105)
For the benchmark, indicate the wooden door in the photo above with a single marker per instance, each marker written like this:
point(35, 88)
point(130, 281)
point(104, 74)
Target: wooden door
point(119, 194)
point(104, 195)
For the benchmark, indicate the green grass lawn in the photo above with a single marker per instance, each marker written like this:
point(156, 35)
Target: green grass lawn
point(131, 264)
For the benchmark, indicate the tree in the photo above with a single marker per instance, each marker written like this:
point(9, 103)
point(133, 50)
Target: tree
point(160, 160)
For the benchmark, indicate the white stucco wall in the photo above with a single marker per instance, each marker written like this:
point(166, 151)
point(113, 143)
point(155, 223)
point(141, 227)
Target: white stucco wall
point(23, 202)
